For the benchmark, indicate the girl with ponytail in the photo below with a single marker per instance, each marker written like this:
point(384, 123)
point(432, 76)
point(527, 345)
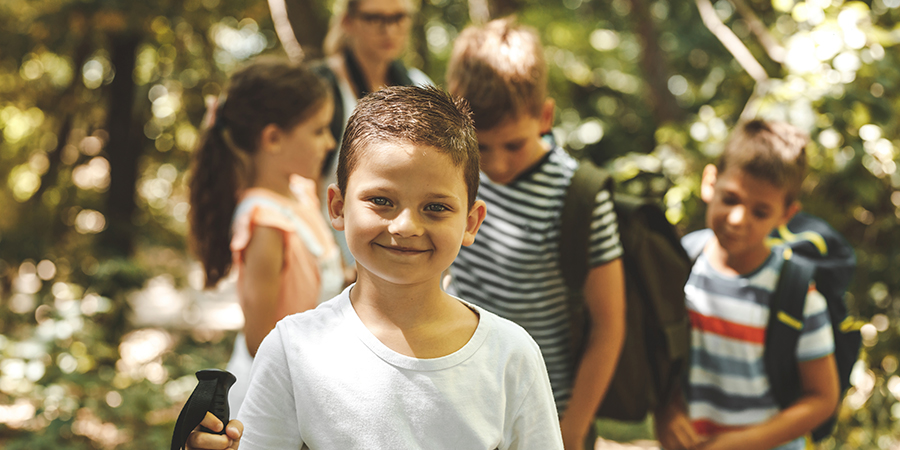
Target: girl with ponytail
point(251, 213)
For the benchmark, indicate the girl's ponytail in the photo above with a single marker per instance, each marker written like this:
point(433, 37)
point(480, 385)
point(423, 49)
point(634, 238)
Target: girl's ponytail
point(214, 190)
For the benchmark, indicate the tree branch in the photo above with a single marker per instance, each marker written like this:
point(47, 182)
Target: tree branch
point(731, 42)
point(479, 11)
point(285, 31)
point(774, 49)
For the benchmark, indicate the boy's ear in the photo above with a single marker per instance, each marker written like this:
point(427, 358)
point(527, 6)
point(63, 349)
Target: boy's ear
point(546, 119)
point(336, 207)
point(708, 183)
point(789, 212)
point(270, 138)
point(473, 222)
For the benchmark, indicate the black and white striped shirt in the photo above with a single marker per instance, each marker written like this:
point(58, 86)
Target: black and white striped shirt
point(513, 267)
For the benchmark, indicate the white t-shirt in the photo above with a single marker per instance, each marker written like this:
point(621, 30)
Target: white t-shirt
point(321, 380)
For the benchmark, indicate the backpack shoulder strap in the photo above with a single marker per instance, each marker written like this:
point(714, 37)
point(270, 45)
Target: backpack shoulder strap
point(575, 221)
point(784, 328)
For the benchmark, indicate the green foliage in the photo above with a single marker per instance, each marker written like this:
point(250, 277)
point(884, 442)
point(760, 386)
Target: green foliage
point(70, 375)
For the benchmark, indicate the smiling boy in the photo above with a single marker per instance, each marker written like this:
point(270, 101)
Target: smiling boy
point(394, 362)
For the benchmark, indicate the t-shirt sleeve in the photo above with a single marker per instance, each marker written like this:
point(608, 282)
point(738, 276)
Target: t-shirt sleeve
point(259, 215)
point(269, 412)
point(604, 243)
point(817, 337)
point(535, 424)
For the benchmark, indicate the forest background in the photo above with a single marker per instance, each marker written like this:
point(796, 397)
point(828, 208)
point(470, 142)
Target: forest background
point(102, 323)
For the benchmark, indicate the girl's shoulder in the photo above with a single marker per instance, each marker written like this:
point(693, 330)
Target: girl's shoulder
point(261, 207)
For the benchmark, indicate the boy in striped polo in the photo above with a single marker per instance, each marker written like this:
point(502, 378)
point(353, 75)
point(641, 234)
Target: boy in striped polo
point(752, 190)
point(513, 267)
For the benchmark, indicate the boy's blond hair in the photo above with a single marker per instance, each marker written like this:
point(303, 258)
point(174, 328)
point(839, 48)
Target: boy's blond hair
point(418, 115)
point(500, 69)
point(770, 151)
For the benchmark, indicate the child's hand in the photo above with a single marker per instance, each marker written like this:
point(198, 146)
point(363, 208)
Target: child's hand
point(200, 440)
point(674, 430)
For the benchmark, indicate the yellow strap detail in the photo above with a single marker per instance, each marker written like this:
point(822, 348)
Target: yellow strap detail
point(788, 253)
point(790, 321)
point(811, 236)
point(851, 324)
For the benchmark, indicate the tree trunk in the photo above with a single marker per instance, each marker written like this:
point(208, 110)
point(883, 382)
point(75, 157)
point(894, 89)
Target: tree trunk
point(123, 149)
point(502, 8)
point(655, 66)
point(309, 20)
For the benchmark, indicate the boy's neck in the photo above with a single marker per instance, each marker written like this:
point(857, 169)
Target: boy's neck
point(419, 320)
point(734, 264)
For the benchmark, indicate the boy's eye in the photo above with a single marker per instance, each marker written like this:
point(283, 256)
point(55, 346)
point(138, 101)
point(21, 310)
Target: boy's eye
point(730, 200)
point(380, 201)
point(760, 214)
point(514, 146)
point(436, 207)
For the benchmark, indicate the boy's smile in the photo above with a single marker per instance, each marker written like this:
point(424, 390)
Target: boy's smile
point(405, 212)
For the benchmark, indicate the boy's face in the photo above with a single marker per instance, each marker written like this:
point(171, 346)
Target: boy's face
point(405, 212)
point(742, 210)
point(514, 145)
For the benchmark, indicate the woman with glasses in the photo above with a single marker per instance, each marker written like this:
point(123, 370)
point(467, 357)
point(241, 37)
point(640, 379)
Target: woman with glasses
point(362, 48)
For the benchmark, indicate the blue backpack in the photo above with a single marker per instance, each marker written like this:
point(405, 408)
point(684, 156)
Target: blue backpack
point(814, 252)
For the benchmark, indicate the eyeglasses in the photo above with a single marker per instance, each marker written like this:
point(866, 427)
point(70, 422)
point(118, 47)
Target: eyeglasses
point(384, 20)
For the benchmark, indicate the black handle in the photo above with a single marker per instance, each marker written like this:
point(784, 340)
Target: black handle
point(219, 405)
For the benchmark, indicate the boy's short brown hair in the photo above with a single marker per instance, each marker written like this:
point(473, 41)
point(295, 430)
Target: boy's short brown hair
point(499, 68)
point(421, 116)
point(770, 151)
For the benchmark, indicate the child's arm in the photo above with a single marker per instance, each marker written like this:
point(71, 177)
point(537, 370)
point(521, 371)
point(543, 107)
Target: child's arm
point(199, 440)
point(819, 381)
point(604, 295)
point(260, 284)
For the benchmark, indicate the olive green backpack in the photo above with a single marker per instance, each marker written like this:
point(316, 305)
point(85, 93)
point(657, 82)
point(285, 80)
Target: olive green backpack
point(657, 338)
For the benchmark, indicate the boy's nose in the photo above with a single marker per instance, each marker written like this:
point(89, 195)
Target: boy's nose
point(736, 215)
point(495, 167)
point(406, 224)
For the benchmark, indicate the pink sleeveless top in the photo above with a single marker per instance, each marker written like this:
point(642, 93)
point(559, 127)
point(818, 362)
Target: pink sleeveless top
point(312, 271)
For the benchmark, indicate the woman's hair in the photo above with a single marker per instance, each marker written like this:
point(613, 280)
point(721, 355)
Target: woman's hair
point(336, 40)
point(267, 91)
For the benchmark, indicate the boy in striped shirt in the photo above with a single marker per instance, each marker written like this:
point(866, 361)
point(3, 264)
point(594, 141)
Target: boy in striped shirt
point(513, 267)
point(752, 190)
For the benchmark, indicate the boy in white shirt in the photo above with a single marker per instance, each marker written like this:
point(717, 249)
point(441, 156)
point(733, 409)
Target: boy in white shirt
point(394, 362)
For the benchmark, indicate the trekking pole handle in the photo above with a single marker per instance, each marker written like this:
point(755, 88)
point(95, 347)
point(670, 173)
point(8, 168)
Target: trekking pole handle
point(219, 407)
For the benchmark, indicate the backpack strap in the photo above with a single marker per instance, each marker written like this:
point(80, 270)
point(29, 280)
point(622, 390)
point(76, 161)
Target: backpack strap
point(211, 394)
point(575, 221)
point(784, 328)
